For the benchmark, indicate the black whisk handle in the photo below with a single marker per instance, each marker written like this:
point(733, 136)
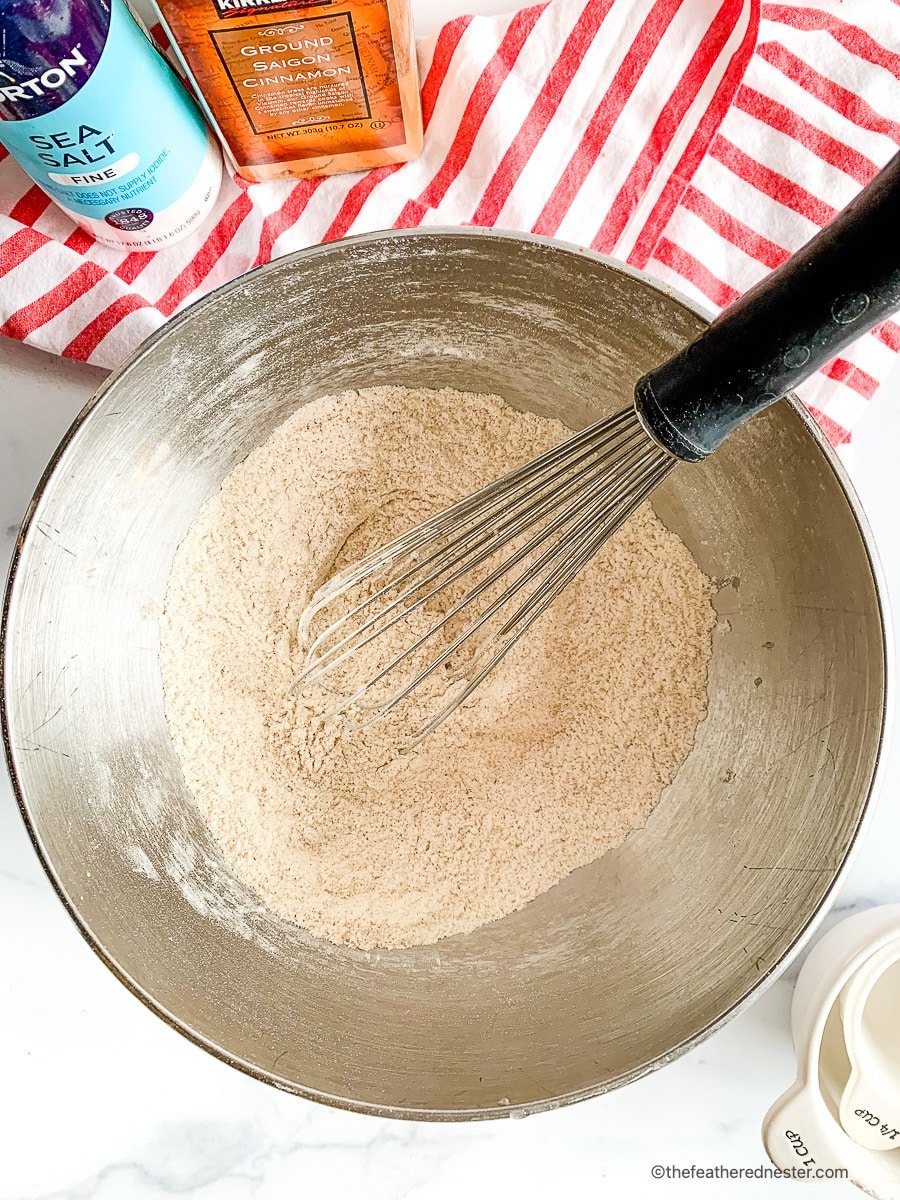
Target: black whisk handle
point(836, 288)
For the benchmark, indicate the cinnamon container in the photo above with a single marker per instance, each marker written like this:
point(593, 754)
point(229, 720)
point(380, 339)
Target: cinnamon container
point(295, 90)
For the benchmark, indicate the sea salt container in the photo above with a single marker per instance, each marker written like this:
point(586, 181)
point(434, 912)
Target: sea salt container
point(100, 121)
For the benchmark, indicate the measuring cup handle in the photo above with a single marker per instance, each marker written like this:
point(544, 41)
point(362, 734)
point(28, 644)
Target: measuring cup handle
point(836, 288)
point(796, 1131)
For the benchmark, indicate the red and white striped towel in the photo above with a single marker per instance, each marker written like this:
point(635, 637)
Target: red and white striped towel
point(701, 140)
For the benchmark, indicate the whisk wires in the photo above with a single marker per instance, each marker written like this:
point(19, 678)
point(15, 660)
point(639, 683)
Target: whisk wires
point(531, 532)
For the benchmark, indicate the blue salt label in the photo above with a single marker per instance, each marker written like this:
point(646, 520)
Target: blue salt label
point(95, 116)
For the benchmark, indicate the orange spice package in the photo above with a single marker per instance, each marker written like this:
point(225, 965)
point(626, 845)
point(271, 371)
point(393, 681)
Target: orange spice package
point(296, 90)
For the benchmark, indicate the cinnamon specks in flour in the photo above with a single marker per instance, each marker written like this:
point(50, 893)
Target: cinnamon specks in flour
point(562, 752)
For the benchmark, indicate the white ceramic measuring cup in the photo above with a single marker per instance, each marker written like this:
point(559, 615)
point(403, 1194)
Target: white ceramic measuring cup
point(870, 1014)
point(802, 1129)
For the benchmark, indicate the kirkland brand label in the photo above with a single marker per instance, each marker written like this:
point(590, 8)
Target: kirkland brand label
point(95, 116)
point(241, 8)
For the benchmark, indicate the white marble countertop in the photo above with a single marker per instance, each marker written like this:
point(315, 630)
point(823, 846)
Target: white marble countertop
point(100, 1100)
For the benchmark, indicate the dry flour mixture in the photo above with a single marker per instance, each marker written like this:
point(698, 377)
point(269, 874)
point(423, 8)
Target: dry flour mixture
point(562, 752)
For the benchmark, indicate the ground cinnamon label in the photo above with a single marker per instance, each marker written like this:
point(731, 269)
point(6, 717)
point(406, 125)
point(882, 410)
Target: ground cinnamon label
point(297, 90)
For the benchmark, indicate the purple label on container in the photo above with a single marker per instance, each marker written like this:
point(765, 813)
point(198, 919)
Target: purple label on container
point(130, 219)
point(48, 49)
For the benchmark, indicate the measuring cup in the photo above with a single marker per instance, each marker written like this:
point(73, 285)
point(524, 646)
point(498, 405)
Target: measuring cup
point(802, 1128)
point(870, 1014)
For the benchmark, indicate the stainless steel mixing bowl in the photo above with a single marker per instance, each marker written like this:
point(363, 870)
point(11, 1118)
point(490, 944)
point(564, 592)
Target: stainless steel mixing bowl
point(624, 964)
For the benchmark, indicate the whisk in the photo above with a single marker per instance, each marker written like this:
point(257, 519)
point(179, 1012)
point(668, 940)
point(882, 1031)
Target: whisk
point(476, 576)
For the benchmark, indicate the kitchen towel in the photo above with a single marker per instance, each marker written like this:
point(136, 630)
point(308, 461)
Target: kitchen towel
point(700, 140)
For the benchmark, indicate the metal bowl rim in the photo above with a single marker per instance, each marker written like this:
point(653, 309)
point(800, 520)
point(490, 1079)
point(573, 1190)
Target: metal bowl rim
point(409, 1113)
